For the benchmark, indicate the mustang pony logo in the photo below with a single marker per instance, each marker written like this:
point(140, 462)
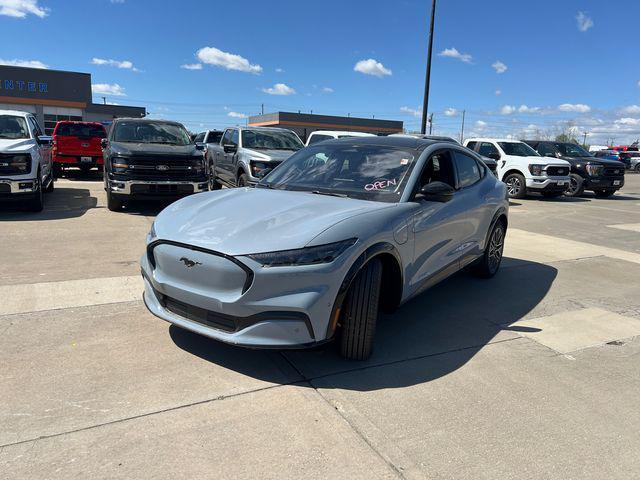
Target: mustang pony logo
point(189, 263)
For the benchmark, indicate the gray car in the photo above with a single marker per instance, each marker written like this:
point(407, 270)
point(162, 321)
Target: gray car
point(339, 231)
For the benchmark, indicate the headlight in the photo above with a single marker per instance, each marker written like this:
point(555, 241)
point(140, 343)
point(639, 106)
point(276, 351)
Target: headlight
point(536, 170)
point(303, 256)
point(20, 163)
point(119, 164)
point(593, 170)
point(257, 167)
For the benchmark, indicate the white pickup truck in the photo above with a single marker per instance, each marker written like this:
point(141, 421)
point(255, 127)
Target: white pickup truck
point(25, 160)
point(522, 169)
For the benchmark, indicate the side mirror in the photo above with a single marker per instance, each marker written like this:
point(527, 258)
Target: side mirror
point(44, 140)
point(104, 142)
point(437, 192)
point(199, 146)
point(495, 156)
point(230, 148)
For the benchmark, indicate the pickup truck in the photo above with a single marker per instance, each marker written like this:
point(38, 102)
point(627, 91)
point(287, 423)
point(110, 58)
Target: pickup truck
point(603, 177)
point(77, 144)
point(26, 171)
point(522, 169)
point(150, 159)
point(246, 154)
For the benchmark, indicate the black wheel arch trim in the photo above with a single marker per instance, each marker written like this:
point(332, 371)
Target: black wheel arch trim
point(502, 212)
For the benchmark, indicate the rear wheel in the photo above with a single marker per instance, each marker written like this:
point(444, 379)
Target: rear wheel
point(360, 313)
point(604, 193)
point(114, 203)
point(213, 181)
point(488, 265)
point(243, 180)
point(576, 186)
point(516, 185)
point(637, 169)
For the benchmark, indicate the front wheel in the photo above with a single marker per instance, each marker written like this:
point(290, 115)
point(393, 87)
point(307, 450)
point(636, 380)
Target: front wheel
point(243, 180)
point(576, 186)
point(604, 193)
point(114, 204)
point(516, 185)
point(360, 313)
point(487, 266)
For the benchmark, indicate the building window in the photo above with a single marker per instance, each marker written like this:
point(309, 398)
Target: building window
point(51, 120)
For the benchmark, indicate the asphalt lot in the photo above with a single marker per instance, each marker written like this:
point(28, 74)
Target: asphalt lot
point(534, 374)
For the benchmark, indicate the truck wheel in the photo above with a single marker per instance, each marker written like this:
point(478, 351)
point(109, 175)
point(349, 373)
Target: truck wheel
point(637, 169)
point(487, 266)
point(516, 185)
point(36, 204)
point(360, 313)
point(114, 204)
point(604, 193)
point(243, 181)
point(576, 186)
point(213, 182)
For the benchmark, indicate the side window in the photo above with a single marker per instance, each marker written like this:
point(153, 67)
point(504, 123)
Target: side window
point(234, 137)
point(488, 150)
point(226, 138)
point(37, 131)
point(468, 170)
point(545, 150)
point(439, 168)
point(472, 145)
point(214, 137)
point(318, 138)
point(199, 138)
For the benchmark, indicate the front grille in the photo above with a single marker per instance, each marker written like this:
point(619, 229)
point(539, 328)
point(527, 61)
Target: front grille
point(6, 169)
point(153, 189)
point(613, 172)
point(197, 314)
point(557, 171)
point(164, 168)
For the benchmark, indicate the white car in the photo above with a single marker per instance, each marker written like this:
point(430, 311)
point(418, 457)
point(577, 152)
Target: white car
point(321, 135)
point(25, 160)
point(522, 168)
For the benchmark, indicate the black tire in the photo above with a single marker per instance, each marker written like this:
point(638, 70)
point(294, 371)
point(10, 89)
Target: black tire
point(487, 266)
point(114, 203)
point(604, 193)
point(637, 168)
point(516, 185)
point(243, 180)
point(552, 194)
point(213, 181)
point(36, 204)
point(57, 170)
point(576, 186)
point(360, 313)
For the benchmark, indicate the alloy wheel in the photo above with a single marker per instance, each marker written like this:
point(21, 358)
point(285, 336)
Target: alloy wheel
point(513, 186)
point(496, 246)
point(573, 186)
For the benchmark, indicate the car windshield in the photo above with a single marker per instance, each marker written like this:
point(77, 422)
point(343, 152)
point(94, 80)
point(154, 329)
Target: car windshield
point(518, 149)
point(85, 130)
point(151, 132)
point(368, 172)
point(276, 140)
point(13, 127)
point(572, 150)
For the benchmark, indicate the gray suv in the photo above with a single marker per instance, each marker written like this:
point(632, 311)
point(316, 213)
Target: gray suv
point(246, 154)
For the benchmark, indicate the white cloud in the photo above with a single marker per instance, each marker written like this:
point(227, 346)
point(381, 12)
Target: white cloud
point(498, 93)
point(526, 109)
point(192, 66)
point(411, 111)
point(279, 89)
point(584, 22)
point(450, 112)
point(481, 125)
point(236, 115)
point(574, 107)
point(22, 8)
point(507, 110)
point(327, 90)
point(499, 67)
point(631, 110)
point(454, 53)
point(372, 67)
point(228, 61)
point(23, 63)
point(628, 121)
point(279, 70)
point(124, 64)
point(112, 89)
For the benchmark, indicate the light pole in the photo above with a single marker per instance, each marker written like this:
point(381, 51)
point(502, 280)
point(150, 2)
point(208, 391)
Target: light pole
point(427, 80)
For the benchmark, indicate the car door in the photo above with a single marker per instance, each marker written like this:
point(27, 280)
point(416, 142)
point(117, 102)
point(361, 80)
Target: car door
point(224, 158)
point(438, 228)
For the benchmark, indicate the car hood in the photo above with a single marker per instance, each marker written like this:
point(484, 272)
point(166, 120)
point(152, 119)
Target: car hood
point(123, 148)
point(541, 160)
point(10, 146)
point(600, 161)
point(269, 155)
point(254, 220)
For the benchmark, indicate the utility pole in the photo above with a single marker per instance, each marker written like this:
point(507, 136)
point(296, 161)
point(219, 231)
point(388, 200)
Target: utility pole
point(427, 80)
point(262, 109)
point(584, 141)
point(462, 129)
point(104, 100)
point(430, 123)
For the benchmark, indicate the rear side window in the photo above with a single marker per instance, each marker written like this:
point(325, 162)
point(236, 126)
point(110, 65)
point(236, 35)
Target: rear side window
point(199, 138)
point(80, 130)
point(487, 149)
point(468, 170)
point(318, 138)
point(214, 137)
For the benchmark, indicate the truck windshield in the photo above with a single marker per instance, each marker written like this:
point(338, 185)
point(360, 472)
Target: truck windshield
point(518, 149)
point(572, 150)
point(368, 172)
point(13, 127)
point(151, 132)
point(276, 140)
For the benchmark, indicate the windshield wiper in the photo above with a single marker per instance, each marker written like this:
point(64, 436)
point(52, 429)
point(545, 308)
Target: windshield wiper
point(264, 185)
point(331, 194)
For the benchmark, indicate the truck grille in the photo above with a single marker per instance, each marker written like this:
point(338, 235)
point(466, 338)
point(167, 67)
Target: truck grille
point(160, 189)
point(557, 171)
point(6, 169)
point(613, 172)
point(161, 168)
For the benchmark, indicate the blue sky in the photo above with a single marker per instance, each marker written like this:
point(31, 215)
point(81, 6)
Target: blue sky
point(569, 64)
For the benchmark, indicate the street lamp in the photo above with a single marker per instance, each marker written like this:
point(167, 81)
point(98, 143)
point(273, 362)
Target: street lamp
point(425, 105)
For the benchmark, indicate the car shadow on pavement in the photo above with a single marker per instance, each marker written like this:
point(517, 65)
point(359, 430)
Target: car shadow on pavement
point(450, 323)
point(79, 176)
point(60, 204)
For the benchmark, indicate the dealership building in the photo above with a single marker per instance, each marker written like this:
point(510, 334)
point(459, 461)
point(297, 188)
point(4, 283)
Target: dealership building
point(54, 95)
point(305, 123)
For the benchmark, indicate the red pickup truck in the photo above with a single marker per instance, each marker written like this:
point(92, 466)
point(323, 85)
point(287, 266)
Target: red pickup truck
point(77, 144)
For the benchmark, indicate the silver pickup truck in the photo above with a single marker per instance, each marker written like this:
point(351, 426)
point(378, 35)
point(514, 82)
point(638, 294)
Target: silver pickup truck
point(246, 154)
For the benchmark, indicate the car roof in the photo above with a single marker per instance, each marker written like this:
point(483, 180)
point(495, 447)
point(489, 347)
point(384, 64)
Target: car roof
point(388, 141)
point(342, 132)
point(439, 138)
point(17, 113)
point(266, 129)
point(79, 122)
point(487, 139)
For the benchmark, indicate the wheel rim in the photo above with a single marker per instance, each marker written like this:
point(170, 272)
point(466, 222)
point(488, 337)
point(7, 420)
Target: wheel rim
point(573, 186)
point(496, 246)
point(513, 186)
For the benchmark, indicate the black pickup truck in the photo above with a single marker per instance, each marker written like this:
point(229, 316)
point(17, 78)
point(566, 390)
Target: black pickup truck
point(151, 159)
point(599, 175)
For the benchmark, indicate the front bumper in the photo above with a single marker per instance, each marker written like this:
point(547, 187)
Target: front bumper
point(156, 187)
point(608, 183)
point(277, 307)
point(21, 186)
point(547, 184)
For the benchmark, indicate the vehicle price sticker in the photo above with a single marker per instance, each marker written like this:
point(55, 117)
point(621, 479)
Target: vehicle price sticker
point(86, 159)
